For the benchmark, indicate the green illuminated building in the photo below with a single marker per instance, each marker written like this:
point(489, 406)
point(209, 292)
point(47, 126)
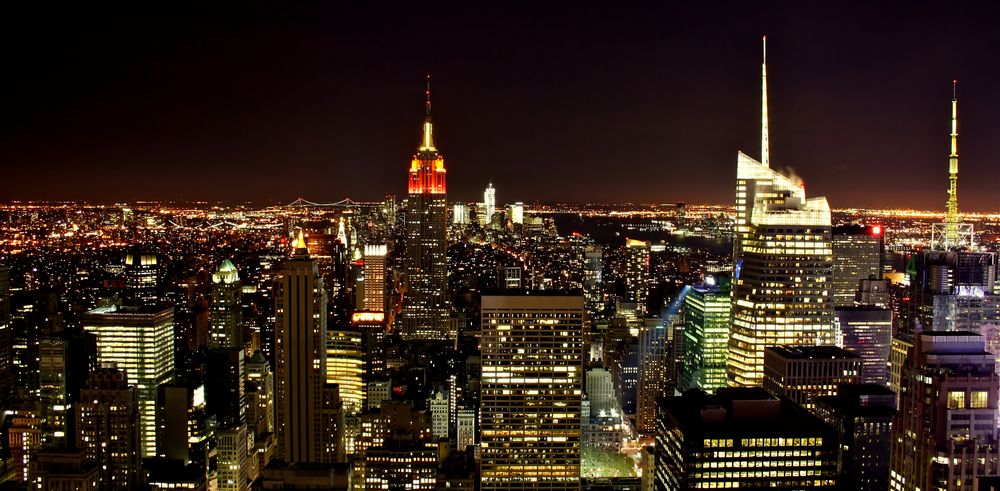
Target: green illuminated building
point(706, 334)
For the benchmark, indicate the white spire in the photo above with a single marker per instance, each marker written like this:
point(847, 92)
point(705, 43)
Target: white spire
point(765, 158)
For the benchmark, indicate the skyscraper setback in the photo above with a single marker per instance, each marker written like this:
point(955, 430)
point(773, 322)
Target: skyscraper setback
point(425, 304)
point(783, 272)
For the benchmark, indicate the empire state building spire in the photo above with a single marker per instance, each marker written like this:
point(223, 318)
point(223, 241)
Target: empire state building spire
point(427, 142)
point(765, 157)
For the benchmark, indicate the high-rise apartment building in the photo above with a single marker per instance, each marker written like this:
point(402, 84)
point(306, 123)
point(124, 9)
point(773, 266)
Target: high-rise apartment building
point(706, 334)
point(945, 433)
point(783, 272)
point(140, 341)
point(637, 274)
point(307, 415)
point(857, 255)
point(532, 369)
point(108, 428)
point(226, 314)
point(742, 438)
point(804, 373)
point(425, 303)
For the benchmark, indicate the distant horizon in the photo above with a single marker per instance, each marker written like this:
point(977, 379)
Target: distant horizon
point(276, 204)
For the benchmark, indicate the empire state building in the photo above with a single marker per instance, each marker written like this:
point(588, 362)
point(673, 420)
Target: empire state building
point(425, 303)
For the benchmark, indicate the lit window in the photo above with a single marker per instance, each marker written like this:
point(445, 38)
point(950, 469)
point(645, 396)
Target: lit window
point(979, 400)
point(956, 399)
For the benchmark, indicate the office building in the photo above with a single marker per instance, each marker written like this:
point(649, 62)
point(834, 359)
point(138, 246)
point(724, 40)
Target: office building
point(600, 389)
point(307, 416)
point(857, 255)
point(862, 415)
point(185, 428)
point(140, 341)
point(804, 373)
point(465, 430)
point(54, 469)
point(372, 326)
point(108, 428)
point(945, 433)
point(489, 204)
point(742, 438)
point(374, 299)
point(593, 279)
point(654, 360)
point(706, 334)
point(23, 429)
point(460, 214)
point(517, 213)
point(439, 407)
point(867, 332)
point(411, 466)
point(234, 462)
point(260, 408)
point(637, 274)
point(225, 396)
point(226, 314)
point(142, 279)
point(345, 367)
point(783, 272)
point(425, 303)
point(530, 398)
point(7, 375)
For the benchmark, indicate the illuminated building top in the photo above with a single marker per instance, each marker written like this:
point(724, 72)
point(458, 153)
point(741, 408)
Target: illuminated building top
point(427, 172)
point(764, 144)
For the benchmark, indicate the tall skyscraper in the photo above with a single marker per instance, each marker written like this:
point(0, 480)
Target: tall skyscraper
point(782, 293)
point(142, 284)
point(140, 341)
point(489, 203)
point(653, 363)
point(857, 254)
point(706, 334)
point(637, 274)
point(108, 428)
point(226, 315)
point(345, 366)
point(425, 304)
point(374, 297)
point(303, 415)
point(945, 433)
point(532, 369)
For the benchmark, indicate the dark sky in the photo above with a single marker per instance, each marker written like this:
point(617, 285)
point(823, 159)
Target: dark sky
point(553, 102)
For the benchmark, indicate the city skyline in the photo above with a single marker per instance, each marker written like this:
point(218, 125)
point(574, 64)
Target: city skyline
point(203, 116)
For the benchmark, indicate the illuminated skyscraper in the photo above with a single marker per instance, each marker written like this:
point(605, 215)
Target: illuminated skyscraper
point(517, 213)
point(489, 203)
point(637, 274)
point(374, 297)
point(706, 334)
point(142, 285)
point(783, 276)
point(108, 428)
point(345, 366)
point(306, 417)
point(226, 329)
point(867, 332)
point(140, 341)
point(945, 433)
point(857, 253)
point(532, 391)
point(6, 338)
point(425, 304)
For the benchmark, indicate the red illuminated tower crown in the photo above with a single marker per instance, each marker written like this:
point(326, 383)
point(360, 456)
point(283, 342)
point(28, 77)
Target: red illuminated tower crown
point(427, 172)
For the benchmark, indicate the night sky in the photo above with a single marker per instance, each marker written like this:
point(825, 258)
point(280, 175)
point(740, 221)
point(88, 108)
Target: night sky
point(552, 103)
